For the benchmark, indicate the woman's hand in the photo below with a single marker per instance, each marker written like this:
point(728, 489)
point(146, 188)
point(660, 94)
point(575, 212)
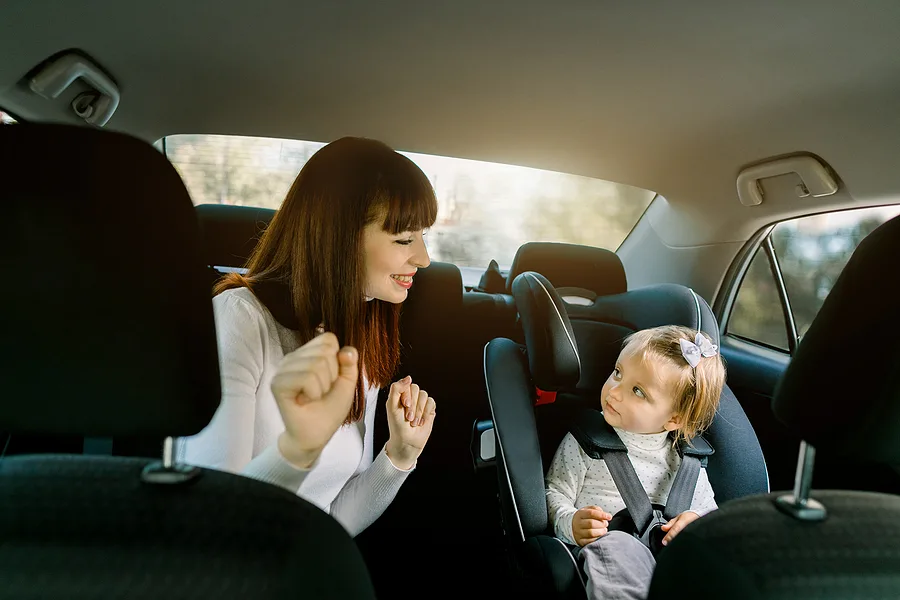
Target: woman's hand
point(314, 387)
point(410, 420)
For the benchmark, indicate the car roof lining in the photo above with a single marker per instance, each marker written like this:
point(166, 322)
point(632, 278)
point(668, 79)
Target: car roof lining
point(650, 94)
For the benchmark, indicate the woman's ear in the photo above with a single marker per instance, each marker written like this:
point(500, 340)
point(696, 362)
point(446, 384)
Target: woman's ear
point(676, 422)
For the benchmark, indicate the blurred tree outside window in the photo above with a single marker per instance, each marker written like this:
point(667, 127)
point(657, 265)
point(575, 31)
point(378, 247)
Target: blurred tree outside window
point(485, 210)
point(811, 251)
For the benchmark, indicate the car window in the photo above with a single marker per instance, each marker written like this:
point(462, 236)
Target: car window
point(486, 210)
point(809, 253)
point(757, 314)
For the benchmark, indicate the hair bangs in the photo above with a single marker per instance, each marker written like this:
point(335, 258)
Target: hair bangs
point(407, 200)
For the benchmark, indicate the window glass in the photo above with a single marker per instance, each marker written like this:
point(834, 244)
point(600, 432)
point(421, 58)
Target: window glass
point(486, 210)
point(811, 251)
point(757, 314)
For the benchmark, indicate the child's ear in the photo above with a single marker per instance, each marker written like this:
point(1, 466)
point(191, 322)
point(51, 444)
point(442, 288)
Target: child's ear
point(676, 422)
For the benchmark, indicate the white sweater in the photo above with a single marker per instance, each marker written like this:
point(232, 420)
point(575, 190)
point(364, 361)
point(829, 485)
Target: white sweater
point(242, 436)
point(576, 480)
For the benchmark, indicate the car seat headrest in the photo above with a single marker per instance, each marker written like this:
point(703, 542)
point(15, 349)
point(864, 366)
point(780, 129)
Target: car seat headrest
point(230, 233)
point(109, 327)
point(550, 342)
point(841, 389)
point(571, 266)
point(602, 325)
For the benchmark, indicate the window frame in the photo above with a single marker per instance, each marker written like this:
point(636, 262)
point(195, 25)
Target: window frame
point(723, 305)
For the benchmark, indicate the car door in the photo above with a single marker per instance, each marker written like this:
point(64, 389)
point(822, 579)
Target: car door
point(771, 296)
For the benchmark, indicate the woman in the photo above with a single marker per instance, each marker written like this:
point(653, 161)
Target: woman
point(297, 410)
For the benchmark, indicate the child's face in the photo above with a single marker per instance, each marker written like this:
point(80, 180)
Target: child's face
point(639, 395)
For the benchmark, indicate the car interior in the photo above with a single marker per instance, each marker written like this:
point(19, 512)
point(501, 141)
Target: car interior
point(600, 168)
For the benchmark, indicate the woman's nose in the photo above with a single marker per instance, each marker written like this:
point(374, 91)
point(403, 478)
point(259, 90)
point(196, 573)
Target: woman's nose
point(420, 258)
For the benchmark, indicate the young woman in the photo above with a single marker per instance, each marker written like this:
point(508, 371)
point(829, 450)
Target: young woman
point(332, 269)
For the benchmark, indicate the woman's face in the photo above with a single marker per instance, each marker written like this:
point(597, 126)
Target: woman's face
point(391, 261)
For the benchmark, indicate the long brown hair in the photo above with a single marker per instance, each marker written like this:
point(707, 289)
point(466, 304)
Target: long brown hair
point(314, 247)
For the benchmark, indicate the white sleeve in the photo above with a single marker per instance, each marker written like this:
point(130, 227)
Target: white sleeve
point(226, 443)
point(704, 498)
point(368, 493)
point(564, 480)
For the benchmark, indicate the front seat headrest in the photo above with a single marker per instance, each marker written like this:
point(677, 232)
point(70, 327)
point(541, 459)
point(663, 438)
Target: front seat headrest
point(230, 233)
point(571, 266)
point(842, 387)
point(109, 327)
point(550, 342)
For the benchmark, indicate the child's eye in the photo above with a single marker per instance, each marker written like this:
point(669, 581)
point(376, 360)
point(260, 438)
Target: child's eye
point(638, 392)
point(616, 373)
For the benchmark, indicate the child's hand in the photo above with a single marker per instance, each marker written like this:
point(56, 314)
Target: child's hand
point(675, 526)
point(589, 524)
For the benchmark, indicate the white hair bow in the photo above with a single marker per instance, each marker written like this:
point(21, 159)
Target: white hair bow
point(701, 347)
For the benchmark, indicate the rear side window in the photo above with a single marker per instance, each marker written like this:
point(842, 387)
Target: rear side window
point(485, 210)
point(807, 255)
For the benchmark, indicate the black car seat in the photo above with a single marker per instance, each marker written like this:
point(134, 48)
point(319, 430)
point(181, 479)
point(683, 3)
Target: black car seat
point(536, 389)
point(841, 392)
point(90, 349)
point(228, 234)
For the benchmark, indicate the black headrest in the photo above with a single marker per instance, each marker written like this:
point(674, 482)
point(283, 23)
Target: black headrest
point(552, 352)
point(435, 296)
point(230, 233)
point(652, 306)
point(842, 387)
point(601, 326)
point(571, 266)
point(108, 326)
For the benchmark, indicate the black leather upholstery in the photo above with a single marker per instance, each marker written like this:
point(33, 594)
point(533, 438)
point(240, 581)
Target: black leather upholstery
point(857, 332)
point(753, 550)
point(230, 233)
point(571, 266)
point(113, 335)
point(553, 354)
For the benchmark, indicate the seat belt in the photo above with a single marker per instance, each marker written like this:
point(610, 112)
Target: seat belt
point(599, 441)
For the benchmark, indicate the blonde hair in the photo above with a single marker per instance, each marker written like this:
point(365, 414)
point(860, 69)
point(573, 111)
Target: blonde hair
point(697, 390)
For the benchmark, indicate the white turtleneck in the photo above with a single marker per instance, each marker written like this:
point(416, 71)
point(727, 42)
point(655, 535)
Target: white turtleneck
point(576, 480)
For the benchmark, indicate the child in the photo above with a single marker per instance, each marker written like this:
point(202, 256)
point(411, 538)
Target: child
point(665, 387)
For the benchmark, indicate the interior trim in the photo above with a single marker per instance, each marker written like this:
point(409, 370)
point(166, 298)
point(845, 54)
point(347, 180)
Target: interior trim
point(501, 453)
point(559, 316)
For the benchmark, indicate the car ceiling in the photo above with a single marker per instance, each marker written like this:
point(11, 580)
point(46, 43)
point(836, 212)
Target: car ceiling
point(671, 96)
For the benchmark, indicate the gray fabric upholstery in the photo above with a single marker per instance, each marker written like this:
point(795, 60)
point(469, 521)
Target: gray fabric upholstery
point(748, 549)
point(112, 334)
point(78, 527)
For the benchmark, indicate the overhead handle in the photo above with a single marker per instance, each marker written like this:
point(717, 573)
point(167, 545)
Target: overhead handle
point(56, 76)
point(816, 179)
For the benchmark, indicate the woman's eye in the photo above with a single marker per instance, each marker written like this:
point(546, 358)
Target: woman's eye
point(404, 242)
